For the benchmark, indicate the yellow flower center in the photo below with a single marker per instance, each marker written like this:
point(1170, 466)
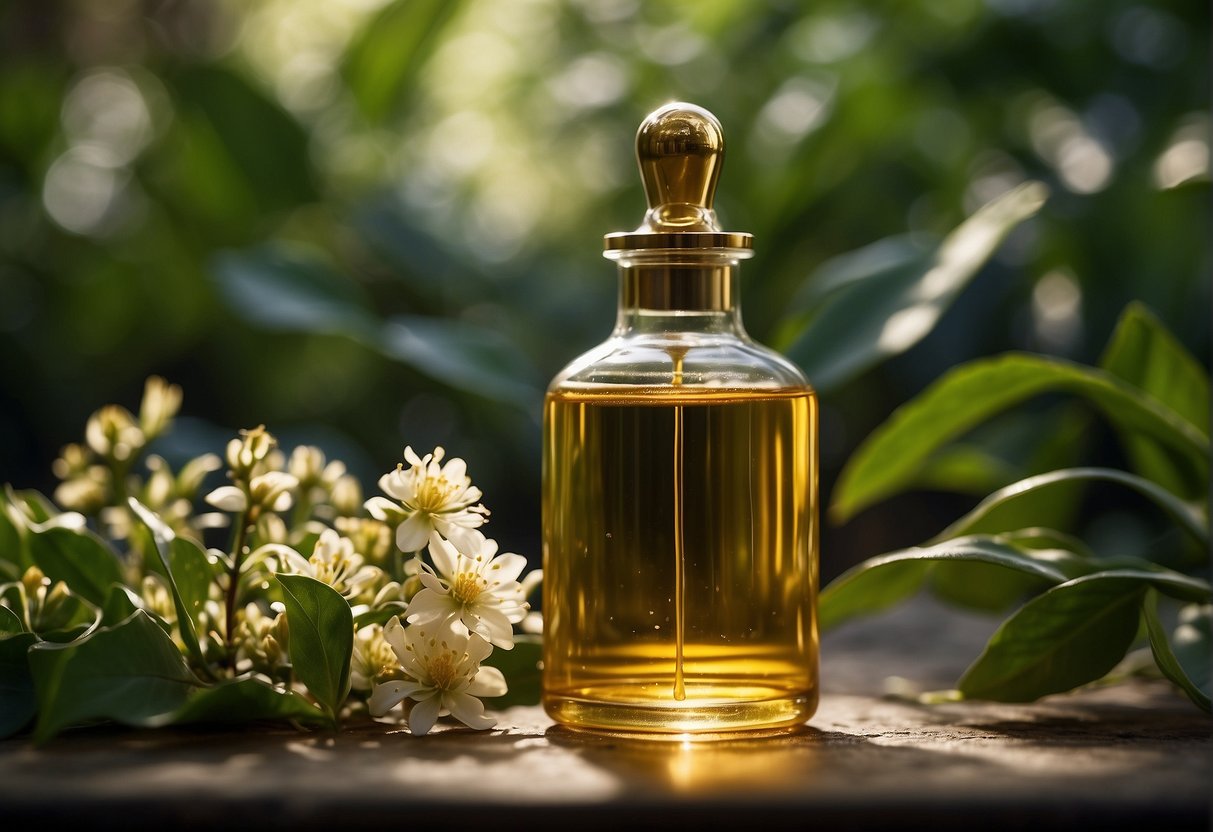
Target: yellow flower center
point(467, 587)
point(442, 669)
point(434, 493)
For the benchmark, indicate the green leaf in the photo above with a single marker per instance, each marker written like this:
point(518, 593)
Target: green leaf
point(182, 555)
point(31, 504)
point(285, 290)
point(1071, 635)
point(131, 673)
point(17, 701)
point(193, 571)
point(382, 63)
point(861, 321)
point(882, 581)
point(79, 559)
point(464, 356)
point(1165, 658)
point(892, 456)
point(245, 700)
point(10, 623)
point(260, 144)
point(1193, 644)
point(1143, 353)
point(521, 668)
point(120, 604)
point(964, 469)
point(289, 289)
point(1166, 581)
point(321, 638)
point(985, 518)
point(984, 587)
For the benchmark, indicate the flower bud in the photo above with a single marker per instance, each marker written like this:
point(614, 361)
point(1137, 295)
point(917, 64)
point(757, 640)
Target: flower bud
point(111, 432)
point(161, 401)
point(252, 447)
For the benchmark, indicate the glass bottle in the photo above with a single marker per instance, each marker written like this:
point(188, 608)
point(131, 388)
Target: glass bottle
point(680, 483)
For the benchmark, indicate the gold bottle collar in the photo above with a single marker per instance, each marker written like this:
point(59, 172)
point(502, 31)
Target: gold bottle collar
point(680, 150)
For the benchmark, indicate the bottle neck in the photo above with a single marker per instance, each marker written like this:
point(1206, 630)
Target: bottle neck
point(671, 297)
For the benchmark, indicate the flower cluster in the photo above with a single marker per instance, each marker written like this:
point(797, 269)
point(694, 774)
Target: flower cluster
point(427, 594)
point(469, 601)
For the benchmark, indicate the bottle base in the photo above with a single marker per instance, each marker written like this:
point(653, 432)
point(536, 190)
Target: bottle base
point(699, 716)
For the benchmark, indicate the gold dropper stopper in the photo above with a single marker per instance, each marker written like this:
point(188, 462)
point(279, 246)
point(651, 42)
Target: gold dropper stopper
point(680, 150)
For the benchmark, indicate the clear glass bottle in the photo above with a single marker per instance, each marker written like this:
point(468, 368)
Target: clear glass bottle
point(680, 484)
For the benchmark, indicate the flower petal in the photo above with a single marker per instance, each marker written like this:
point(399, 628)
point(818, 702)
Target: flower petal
point(381, 508)
point(392, 484)
point(469, 710)
point(477, 649)
point(455, 470)
point(444, 555)
point(393, 632)
point(464, 539)
point(390, 694)
point(414, 532)
point(430, 581)
point(424, 715)
point(505, 568)
point(429, 606)
point(492, 625)
point(228, 498)
point(488, 682)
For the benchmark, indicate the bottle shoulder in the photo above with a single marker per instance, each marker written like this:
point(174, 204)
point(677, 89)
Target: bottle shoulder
point(699, 360)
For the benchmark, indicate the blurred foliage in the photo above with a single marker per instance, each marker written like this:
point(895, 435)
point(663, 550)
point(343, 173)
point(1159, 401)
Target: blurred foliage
point(375, 223)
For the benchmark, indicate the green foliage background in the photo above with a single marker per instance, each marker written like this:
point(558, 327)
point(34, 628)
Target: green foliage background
point(371, 223)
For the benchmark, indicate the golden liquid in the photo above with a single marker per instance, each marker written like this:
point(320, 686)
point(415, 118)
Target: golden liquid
point(680, 559)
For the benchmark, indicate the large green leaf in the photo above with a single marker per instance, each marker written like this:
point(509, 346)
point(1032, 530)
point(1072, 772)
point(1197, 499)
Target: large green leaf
point(120, 604)
point(382, 63)
point(986, 518)
point(17, 701)
point(1071, 635)
point(891, 457)
point(463, 356)
point(185, 558)
point(1143, 353)
point(882, 581)
point(79, 559)
point(194, 572)
point(280, 289)
point(321, 639)
point(1197, 689)
point(853, 320)
point(521, 668)
point(258, 142)
point(283, 288)
point(246, 700)
point(131, 673)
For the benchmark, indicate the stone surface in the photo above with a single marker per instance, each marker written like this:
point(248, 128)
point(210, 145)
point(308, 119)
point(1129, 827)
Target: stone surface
point(1123, 756)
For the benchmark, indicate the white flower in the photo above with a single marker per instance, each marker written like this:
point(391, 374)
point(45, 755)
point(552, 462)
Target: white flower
point(473, 588)
point(333, 562)
point(444, 676)
point(373, 658)
point(434, 497)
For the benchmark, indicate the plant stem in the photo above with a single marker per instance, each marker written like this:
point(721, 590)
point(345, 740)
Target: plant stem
point(239, 536)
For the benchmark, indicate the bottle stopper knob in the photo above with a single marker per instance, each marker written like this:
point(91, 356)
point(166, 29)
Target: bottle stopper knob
point(680, 150)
